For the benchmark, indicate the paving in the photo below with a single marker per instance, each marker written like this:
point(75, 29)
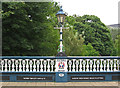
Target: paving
point(60, 84)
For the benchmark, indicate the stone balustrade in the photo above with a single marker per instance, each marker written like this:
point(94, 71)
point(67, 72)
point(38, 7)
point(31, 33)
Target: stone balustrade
point(48, 64)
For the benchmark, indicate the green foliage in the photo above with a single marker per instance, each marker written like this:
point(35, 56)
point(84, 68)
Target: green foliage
point(96, 33)
point(117, 44)
point(90, 51)
point(74, 44)
point(114, 32)
point(27, 30)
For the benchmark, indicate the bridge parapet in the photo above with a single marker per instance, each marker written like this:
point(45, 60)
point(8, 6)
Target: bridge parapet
point(56, 64)
point(59, 69)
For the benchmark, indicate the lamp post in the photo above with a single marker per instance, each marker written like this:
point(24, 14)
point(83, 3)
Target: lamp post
point(61, 17)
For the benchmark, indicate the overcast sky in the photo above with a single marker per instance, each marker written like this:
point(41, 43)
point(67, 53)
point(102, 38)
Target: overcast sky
point(106, 10)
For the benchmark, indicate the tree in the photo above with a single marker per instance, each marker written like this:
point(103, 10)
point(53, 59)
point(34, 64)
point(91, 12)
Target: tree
point(114, 32)
point(96, 33)
point(28, 28)
point(74, 42)
point(89, 50)
point(117, 44)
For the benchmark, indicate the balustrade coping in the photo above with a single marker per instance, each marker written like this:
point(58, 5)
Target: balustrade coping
point(54, 57)
point(100, 72)
point(67, 72)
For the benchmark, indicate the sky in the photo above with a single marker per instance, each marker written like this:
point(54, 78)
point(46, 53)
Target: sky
point(106, 10)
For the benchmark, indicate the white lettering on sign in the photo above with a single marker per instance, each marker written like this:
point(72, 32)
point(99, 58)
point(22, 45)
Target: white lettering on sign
point(87, 78)
point(58, 60)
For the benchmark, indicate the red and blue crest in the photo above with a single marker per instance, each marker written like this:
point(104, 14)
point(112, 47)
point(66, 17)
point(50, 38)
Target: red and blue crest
point(61, 65)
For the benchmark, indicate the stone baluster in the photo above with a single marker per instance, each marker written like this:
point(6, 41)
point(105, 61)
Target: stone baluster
point(87, 66)
point(91, 65)
point(104, 62)
point(73, 69)
point(81, 65)
point(45, 63)
point(38, 65)
point(34, 65)
point(27, 65)
point(111, 65)
point(77, 63)
point(9, 64)
point(20, 65)
point(23, 62)
point(118, 64)
point(108, 65)
point(70, 65)
point(101, 64)
point(2, 64)
point(16, 64)
point(6, 65)
point(31, 65)
point(48, 65)
point(52, 65)
point(98, 65)
point(94, 66)
point(115, 64)
point(84, 63)
point(41, 65)
point(13, 65)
